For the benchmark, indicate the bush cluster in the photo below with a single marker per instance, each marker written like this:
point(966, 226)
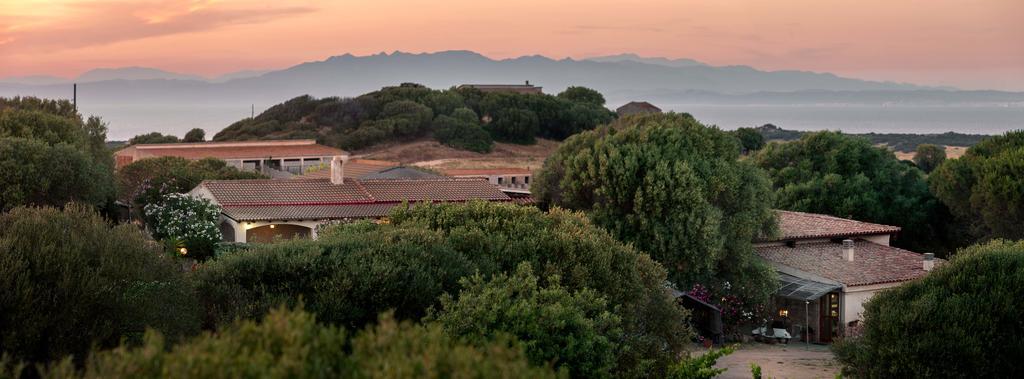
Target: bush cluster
point(410, 111)
point(68, 281)
point(355, 271)
point(963, 319)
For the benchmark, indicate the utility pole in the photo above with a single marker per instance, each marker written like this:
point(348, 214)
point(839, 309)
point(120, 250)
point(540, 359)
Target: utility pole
point(252, 112)
point(74, 96)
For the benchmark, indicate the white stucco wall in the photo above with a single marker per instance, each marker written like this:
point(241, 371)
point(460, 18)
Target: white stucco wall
point(855, 297)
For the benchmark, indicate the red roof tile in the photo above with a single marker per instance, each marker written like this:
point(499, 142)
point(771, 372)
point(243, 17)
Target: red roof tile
point(872, 263)
point(800, 225)
point(268, 199)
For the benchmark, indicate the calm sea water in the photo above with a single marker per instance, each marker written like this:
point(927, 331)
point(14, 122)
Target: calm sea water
point(863, 119)
point(128, 121)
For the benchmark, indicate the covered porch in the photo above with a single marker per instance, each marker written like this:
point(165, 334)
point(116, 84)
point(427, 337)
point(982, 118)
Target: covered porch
point(809, 308)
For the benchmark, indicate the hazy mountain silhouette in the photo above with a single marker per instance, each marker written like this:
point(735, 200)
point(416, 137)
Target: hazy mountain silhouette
point(630, 57)
point(148, 99)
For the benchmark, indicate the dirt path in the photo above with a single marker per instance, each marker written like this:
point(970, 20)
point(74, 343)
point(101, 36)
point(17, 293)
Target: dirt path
point(780, 361)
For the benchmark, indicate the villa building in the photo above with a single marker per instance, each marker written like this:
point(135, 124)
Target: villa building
point(506, 178)
point(507, 88)
point(261, 210)
point(830, 266)
point(288, 156)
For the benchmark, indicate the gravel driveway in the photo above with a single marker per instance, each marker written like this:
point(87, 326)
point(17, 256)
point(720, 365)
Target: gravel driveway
point(780, 361)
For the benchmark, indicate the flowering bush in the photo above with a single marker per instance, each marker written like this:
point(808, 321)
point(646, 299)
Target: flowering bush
point(190, 220)
point(734, 310)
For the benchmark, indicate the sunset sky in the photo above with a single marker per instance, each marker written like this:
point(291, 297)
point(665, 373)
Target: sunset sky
point(963, 43)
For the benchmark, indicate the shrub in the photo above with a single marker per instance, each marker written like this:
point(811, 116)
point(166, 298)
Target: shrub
point(290, 344)
point(928, 157)
point(961, 319)
point(701, 366)
point(354, 271)
point(34, 173)
point(514, 126)
point(347, 276)
point(190, 220)
point(68, 280)
point(572, 330)
point(462, 134)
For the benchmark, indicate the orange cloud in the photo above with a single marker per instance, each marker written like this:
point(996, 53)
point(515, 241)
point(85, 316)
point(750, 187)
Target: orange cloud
point(95, 23)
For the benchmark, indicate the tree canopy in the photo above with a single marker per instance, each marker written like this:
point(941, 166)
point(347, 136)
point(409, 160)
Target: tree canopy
point(675, 189)
point(195, 135)
point(153, 137)
point(352, 272)
point(70, 280)
point(49, 155)
point(846, 176)
point(984, 187)
point(928, 157)
point(410, 111)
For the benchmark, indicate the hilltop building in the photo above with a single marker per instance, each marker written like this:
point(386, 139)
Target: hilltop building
point(830, 266)
point(635, 107)
point(509, 88)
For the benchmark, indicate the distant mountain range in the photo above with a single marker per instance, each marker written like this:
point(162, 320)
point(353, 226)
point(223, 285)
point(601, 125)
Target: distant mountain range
point(137, 99)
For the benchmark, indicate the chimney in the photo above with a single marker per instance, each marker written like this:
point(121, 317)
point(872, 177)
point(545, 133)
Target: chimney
point(527, 82)
point(338, 169)
point(848, 249)
point(929, 261)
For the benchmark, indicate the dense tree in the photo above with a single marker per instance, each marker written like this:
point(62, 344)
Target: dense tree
point(153, 137)
point(148, 181)
point(984, 187)
point(457, 132)
point(961, 319)
point(51, 155)
point(34, 173)
point(575, 331)
point(400, 113)
point(583, 95)
point(68, 281)
point(410, 118)
point(195, 135)
point(290, 344)
point(928, 157)
point(675, 189)
point(352, 272)
point(515, 126)
point(750, 139)
point(846, 176)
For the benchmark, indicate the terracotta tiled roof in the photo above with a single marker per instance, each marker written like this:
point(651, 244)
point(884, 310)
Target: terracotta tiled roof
point(521, 198)
point(354, 168)
point(800, 225)
point(267, 199)
point(285, 192)
point(872, 263)
point(236, 149)
point(487, 171)
point(312, 212)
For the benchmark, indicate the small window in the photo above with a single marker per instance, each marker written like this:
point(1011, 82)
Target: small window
point(513, 180)
point(526, 179)
point(500, 181)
